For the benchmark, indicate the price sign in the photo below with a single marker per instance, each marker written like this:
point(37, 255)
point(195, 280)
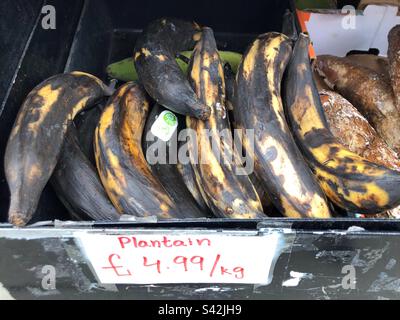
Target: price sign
point(166, 258)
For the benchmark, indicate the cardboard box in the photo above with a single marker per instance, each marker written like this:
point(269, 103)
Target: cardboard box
point(338, 32)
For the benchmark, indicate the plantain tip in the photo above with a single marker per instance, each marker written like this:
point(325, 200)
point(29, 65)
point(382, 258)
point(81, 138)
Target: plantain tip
point(203, 113)
point(196, 26)
point(17, 219)
point(111, 88)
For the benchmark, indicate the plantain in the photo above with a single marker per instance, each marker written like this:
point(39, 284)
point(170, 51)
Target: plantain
point(189, 179)
point(125, 70)
point(77, 183)
point(215, 167)
point(165, 166)
point(289, 25)
point(154, 58)
point(86, 123)
point(124, 172)
point(36, 139)
point(350, 181)
point(263, 195)
point(278, 162)
point(229, 77)
point(186, 169)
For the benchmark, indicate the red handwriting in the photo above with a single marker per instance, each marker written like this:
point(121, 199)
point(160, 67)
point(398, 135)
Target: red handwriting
point(215, 264)
point(114, 267)
point(164, 242)
point(237, 272)
point(193, 260)
point(176, 264)
point(157, 263)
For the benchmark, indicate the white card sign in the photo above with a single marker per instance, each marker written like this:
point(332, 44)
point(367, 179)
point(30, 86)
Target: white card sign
point(166, 258)
point(345, 30)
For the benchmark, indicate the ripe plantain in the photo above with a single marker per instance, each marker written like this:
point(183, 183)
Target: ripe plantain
point(154, 58)
point(289, 25)
point(189, 179)
point(78, 185)
point(165, 168)
point(86, 123)
point(228, 194)
point(126, 176)
point(36, 139)
point(278, 162)
point(350, 181)
point(229, 77)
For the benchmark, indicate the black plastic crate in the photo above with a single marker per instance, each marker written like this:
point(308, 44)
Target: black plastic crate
point(45, 52)
point(89, 35)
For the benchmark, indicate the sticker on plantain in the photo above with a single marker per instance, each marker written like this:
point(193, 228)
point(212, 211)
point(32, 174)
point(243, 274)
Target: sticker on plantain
point(165, 125)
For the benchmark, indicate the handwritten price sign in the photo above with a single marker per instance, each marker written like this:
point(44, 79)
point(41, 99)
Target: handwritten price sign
point(164, 258)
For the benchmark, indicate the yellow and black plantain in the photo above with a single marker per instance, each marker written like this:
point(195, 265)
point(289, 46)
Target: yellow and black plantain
point(189, 179)
point(229, 77)
point(126, 176)
point(86, 123)
point(187, 171)
point(228, 194)
point(263, 195)
point(350, 181)
point(165, 166)
point(36, 139)
point(154, 58)
point(78, 185)
point(278, 162)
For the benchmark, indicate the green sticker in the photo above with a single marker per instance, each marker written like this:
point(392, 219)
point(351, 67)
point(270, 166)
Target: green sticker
point(170, 119)
point(165, 125)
